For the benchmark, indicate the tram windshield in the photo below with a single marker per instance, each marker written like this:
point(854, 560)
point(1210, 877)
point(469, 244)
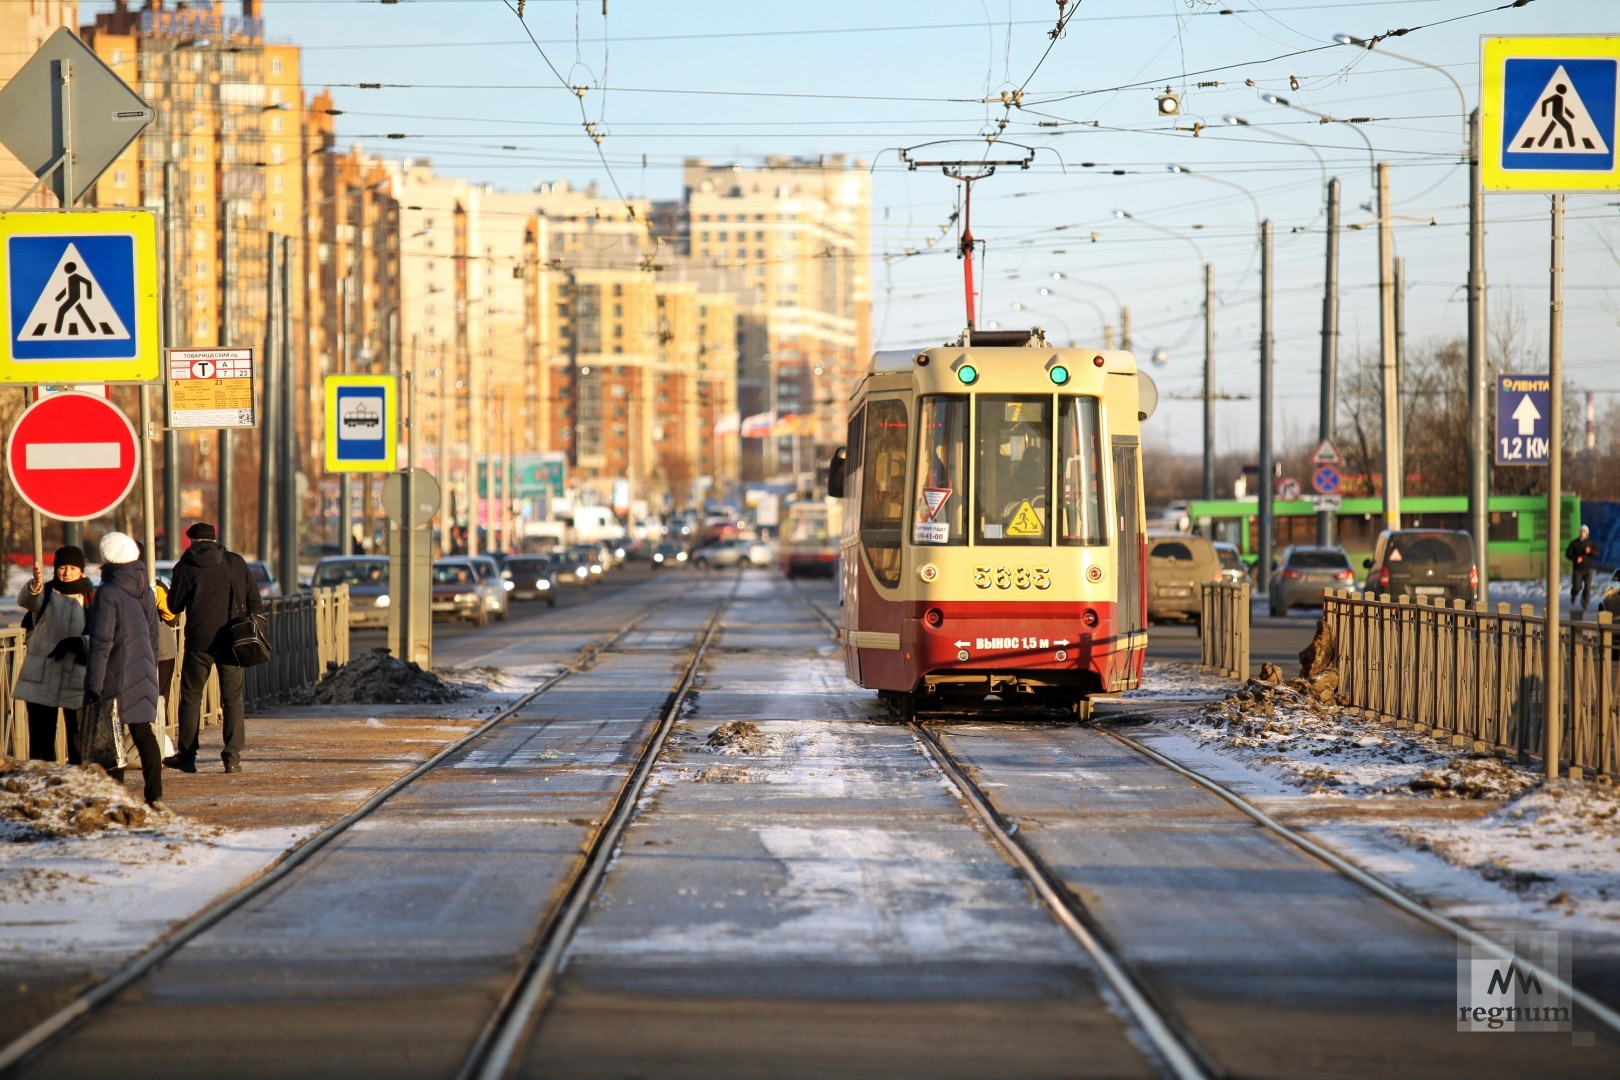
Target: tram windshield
point(1012, 465)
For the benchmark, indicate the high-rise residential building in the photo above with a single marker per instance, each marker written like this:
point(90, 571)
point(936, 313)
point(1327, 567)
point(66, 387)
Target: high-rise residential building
point(796, 233)
point(23, 29)
point(223, 162)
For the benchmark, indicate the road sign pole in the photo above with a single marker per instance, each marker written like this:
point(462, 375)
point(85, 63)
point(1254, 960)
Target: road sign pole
point(1326, 401)
point(1386, 336)
point(1479, 440)
point(148, 496)
point(1266, 489)
point(72, 531)
point(1553, 701)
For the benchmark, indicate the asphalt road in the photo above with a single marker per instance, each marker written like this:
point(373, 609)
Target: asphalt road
point(1271, 640)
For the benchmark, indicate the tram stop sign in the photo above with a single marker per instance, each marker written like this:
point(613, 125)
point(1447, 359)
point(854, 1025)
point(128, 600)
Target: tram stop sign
point(73, 456)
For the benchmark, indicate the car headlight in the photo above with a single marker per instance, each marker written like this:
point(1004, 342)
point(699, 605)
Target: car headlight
point(618, 553)
point(466, 598)
point(582, 571)
point(509, 585)
point(543, 584)
point(658, 557)
point(681, 557)
point(596, 568)
point(383, 601)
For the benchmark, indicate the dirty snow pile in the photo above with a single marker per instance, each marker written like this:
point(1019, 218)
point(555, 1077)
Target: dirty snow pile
point(379, 678)
point(40, 800)
point(1558, 846)
point(738, 737)
point(1297, 730)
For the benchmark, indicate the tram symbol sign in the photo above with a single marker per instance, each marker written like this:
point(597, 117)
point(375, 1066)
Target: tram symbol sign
point(1288, 489)
point(1550, 116)
point(73, 456)
point(1325, 480)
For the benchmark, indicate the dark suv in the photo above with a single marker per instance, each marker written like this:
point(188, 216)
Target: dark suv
point(1437, 563)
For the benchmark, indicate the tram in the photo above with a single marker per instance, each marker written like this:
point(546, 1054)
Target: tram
point(811, 529)
point(994, 532)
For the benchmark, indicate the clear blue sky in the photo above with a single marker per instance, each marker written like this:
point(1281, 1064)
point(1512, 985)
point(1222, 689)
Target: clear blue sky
point(736, 81)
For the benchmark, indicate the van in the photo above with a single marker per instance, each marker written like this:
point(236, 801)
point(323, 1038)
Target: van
point(1436, 563)
point(1179, 564)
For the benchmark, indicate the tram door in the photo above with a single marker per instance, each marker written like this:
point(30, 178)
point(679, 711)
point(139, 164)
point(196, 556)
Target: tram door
point(1127, 506)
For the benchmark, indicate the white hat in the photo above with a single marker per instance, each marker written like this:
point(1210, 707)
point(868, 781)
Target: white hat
point(117, 547)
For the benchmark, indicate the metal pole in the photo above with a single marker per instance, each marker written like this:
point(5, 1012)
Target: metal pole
point(1267, 483)
point(345, 481)
point(1386, 336)
point(72, 531)
point(482, 484)
point(1553, 702)
point(407, 526)
point(446, 384)
point(1327, 404)
point(269, 410)
point(1209, 380)
point(227, 471)
point(1400, 325)
point(1479, 440)
point(574, 411)
point(1125, 328)
point(171, 438)
point(287, 432)
point(148, 501)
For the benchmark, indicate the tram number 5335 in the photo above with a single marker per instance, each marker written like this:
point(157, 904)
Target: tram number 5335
point(1012, 577)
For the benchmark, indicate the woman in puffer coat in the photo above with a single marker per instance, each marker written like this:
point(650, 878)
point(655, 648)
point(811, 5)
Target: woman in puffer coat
point(52, 677)
point(122, 665)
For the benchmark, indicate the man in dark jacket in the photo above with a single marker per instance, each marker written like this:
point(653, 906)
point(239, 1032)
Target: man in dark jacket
point(121, 665)
point(1582, 556)
point(211, 587)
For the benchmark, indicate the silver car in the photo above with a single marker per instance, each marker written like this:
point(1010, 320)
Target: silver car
point(367, 579)
point(495, 588)
point(1302, 573)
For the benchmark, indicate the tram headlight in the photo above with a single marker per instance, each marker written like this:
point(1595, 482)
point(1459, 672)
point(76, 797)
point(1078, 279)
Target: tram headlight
point(934, 617)
point(968, 374)
point(1089, 618)
point(1060, 374)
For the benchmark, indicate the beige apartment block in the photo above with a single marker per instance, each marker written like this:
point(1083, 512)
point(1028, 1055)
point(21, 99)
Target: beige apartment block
point(24, 26)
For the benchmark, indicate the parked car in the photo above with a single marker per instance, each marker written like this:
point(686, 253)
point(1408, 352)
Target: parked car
point(456, 593)
point(1610, 600)
point(268, 586)
point(532, 577)
point(1437, 563)
point(1178, 566)
point(1303, 572)
point(668, 554)
point(1233, 568)
point(721, 554)
point(367, 579)
point(496, 588)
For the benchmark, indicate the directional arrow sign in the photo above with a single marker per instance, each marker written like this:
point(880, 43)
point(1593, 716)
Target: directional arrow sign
point(1523, 431)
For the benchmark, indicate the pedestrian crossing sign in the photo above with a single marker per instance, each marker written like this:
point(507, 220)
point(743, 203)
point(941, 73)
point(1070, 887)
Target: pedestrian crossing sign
point(79, 297)
point(1549, 114)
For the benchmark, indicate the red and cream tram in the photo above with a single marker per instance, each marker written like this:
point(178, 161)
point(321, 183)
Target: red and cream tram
point(993, 536)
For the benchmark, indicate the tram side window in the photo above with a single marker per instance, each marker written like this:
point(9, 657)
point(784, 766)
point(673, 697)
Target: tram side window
point(937, 506)
point(1080, 452)
point(883, 494)
point(1013, 470)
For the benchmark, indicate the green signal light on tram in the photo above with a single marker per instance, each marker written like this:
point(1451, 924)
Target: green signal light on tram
point(968, 374)
point(1060, 375)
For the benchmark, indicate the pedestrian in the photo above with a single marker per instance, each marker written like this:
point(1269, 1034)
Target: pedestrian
point(52, 676)
point(211, 587)
point(121, 670)
point(1582, 555)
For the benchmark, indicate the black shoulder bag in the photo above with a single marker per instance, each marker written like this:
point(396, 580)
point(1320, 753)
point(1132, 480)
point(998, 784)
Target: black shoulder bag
point(250, 633)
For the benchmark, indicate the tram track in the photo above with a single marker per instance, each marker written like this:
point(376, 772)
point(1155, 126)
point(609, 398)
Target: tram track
point(1178, 1052)
point(36, 1042)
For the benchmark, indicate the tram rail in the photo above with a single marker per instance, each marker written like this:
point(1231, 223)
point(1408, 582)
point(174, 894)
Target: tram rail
point(527, 993)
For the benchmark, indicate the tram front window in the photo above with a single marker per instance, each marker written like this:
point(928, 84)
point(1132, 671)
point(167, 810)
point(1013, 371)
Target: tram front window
point(1080, 450)
point(941, 495)
point(1013, 470)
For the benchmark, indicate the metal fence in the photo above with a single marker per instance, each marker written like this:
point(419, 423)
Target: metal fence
point(1478, 675)
point(1223, 627)
point(308, 631)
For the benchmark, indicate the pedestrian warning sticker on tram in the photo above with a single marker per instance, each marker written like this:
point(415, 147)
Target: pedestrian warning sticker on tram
point(1025, 522)
point(78, 303)
point(1549, 110)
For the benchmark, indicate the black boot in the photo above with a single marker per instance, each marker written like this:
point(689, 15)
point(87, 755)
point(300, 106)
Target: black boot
point(183, 762)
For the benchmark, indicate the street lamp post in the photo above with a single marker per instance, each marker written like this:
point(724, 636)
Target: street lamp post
point(1209, 346)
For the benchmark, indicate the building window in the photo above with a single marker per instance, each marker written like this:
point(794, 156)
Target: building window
point(275, 127)
point(275, 65)
point(276, 184)
point(199, 182)
point(275, 212)
point(275, 95)
point(119, 179)
point(275, 155)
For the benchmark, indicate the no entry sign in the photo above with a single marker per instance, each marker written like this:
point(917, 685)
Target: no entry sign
point(73, 456)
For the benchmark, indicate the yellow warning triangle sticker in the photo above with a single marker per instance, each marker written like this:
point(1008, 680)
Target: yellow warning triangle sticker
point(1025, 523)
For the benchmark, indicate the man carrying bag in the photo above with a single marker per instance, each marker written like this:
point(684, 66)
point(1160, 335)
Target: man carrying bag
point(213, 588)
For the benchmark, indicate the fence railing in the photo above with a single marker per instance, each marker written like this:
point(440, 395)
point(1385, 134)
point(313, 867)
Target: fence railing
point(1223, 628)
point(1479, 675)
point(307, 631)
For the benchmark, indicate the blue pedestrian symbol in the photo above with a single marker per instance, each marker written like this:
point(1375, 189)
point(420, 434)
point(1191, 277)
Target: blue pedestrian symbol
point(1558, 114)
point(72, 297)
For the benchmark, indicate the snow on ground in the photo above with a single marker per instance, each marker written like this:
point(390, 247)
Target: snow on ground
point(1539, 854)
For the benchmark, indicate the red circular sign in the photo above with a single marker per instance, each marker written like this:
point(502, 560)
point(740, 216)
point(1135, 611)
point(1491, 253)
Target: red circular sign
point(73, 456)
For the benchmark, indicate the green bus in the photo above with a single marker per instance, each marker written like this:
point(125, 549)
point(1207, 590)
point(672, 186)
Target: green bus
point(1515, 550)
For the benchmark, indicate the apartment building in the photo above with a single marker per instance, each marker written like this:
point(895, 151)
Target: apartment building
point(24, 26)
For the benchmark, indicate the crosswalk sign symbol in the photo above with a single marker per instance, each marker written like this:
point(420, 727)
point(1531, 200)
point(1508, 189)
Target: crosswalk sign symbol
point(78, 297)
point(1549, 107)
